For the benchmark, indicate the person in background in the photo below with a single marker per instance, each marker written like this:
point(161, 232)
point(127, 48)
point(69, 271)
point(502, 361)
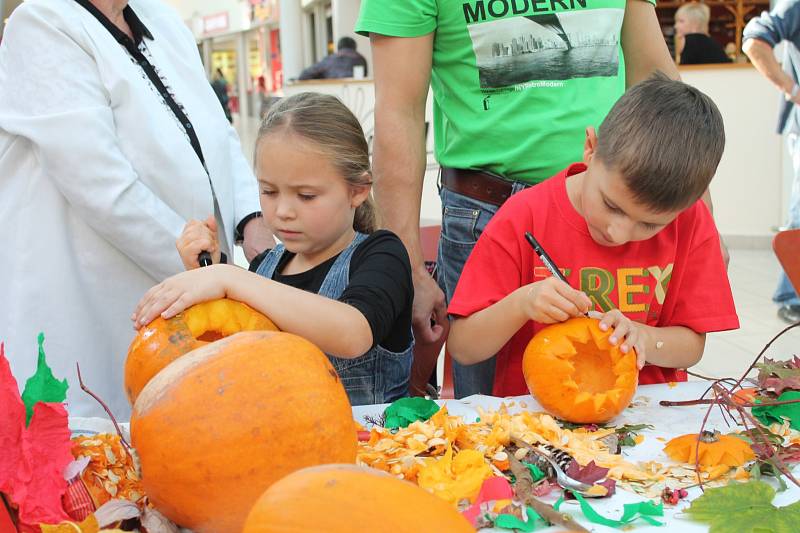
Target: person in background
point(338, 65)
point(761, 35)
point(334, 272)
point(111, 139)
point(220, 86)
point(629, 211)
point(692, 39)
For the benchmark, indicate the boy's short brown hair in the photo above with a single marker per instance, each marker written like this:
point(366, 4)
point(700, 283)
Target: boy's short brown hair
point(666, 139)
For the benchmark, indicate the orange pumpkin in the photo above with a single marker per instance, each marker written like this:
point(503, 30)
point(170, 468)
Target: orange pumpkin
point(162, 341)
point(714, 450)
point(576, 374)
point(348, 498)
point(219, 425)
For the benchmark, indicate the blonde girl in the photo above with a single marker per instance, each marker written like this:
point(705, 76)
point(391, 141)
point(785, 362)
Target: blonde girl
point(334, 280)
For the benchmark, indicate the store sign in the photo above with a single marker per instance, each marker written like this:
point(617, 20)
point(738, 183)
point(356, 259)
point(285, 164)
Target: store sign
point(215, 23)
point(263, 11)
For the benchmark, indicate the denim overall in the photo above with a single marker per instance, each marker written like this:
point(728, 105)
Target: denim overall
point(378, 376)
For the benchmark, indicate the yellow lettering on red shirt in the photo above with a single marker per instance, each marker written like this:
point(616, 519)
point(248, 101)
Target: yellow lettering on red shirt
point(662, 280)
point(598, 284)
point(627, 289)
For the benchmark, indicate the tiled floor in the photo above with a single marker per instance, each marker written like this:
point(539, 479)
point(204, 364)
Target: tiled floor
point(753, 275)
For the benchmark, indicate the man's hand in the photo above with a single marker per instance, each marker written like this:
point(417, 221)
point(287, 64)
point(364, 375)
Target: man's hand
point(257, 238)
point(428, 304)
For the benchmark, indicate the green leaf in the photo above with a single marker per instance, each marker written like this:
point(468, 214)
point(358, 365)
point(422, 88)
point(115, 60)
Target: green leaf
point(744, 508)
point(42, 386)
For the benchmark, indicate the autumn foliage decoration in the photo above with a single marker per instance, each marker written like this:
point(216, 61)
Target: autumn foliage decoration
point(219, 425)
point(576, 374)
point(350, 498)
point(162, 341)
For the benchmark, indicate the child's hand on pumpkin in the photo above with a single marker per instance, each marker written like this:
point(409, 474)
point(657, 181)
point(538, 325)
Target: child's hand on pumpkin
point(624, 328)
point(198, 237)
point(551, 300)
point(179, 292)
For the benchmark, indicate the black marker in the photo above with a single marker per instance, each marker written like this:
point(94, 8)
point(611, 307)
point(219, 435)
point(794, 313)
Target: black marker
point(204, 258)
point(546, 259)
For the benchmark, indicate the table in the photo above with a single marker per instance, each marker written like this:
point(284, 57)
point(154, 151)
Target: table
point(668, 422)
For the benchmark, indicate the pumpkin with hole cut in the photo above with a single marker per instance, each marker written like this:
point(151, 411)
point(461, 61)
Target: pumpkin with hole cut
point(350, 498)
point(162, 341)
point(219, 425)
point(576, 374)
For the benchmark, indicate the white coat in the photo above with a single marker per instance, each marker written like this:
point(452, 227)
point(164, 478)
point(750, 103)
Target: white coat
point(97, 180)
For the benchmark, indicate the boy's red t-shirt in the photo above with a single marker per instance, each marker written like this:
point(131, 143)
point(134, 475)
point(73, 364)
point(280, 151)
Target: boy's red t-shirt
point(676, 278)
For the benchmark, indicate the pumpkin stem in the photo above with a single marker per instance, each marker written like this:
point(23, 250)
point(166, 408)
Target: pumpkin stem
point(709, 436)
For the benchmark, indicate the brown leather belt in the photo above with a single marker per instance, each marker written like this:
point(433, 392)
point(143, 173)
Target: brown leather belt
point(476, 184)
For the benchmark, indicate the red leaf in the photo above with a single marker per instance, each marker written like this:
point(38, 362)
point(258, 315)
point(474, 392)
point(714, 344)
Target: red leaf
point(589, 474)
point(780, 384)
point(32, 459)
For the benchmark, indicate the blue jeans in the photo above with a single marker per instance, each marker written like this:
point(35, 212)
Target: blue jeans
point(463, 221)
point(785, 293)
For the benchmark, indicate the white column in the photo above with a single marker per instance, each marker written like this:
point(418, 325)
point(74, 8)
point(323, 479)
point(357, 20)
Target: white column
point(206, 51)
point(242, 75)
point(291, 20)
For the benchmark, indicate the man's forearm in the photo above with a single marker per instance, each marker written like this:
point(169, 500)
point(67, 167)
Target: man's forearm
point(643, 44)
point(399, 170)
point(763, 58)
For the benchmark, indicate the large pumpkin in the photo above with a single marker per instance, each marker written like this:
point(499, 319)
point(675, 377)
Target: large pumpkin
point(576, 374)
point(347, 498)
point(162, 341)
point(219, 425)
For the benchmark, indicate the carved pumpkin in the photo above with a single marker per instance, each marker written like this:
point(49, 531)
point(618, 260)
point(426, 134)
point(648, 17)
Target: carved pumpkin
point(219, 425)
point(162, 341)
point(348, 498)
point(714, 450)
point(576, 374)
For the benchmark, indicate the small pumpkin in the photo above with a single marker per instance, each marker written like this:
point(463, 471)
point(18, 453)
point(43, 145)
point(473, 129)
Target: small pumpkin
point(219, 425)
point(348, 498)
point(576, 374)
point(162, 341)
point(715, 450)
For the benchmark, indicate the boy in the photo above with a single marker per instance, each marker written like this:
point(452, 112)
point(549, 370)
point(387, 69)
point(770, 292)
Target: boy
point(626, 227)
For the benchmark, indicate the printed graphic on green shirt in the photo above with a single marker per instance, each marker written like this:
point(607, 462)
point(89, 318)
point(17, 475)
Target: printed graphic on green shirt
point(530, 51)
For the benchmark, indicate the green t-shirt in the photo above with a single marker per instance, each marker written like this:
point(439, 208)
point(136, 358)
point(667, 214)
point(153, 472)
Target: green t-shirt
point(515, 82)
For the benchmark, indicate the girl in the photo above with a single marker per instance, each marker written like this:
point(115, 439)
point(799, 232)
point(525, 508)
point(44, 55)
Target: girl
point(335, 280)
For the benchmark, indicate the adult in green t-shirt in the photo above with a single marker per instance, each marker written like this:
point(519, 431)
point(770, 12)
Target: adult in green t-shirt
point(515, 84)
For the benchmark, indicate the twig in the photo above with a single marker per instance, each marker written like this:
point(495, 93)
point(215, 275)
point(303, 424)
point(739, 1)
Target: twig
point(105, 407)
point(523, 487)
point(706, 401)
point(753, 364)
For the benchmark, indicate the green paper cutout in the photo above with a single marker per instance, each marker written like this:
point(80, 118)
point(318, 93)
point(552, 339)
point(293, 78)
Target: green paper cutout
point(404, 411)
point(645, 510)
point(744, 508)
point(776, 413)
point(42, 386)
point(509, 521)
point(536, 472)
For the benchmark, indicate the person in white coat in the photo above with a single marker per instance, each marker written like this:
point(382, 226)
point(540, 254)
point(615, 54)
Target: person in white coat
point(111, 139)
